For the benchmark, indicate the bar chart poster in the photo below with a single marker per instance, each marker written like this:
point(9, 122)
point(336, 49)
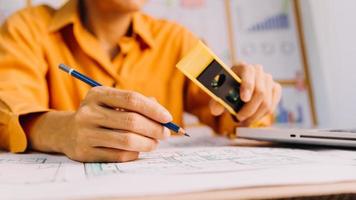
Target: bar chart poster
point(265, 33)
point(205, 18)
point(293, 109)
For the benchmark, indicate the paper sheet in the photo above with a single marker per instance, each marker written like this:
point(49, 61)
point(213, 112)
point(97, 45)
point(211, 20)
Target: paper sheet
point(180, 165)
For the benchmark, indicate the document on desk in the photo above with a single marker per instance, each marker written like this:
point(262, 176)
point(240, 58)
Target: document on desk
point(180, 165)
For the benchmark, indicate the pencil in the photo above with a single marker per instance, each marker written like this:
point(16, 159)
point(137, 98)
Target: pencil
point(170, 125)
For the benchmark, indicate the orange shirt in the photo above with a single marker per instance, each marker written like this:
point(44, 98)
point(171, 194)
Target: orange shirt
point(35, 40)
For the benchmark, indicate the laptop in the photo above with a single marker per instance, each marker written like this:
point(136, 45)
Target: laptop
point(337, 137)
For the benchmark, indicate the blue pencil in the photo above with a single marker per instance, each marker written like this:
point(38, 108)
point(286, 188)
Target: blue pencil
point(93, 83)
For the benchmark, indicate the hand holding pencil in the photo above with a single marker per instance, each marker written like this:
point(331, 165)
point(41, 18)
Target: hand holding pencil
point(115, 125)
point(93, 83)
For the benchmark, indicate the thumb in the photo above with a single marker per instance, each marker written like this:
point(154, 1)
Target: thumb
point(216, 108)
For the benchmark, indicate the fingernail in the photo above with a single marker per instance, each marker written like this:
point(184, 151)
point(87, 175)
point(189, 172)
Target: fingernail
point(246, 95)
point(240, 118)
point(167, 116)
point(166, 132)
point(215, 108)
point(153, 99)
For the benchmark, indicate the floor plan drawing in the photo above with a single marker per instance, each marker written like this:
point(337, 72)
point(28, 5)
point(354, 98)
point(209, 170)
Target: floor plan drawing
point(179, 165)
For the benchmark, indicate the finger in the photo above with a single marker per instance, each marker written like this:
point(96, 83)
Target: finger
point(266, 104)
point(216, 108)
point(247, 75)
point(130, 121)
point(251, 107)
point(132, 101)
point(276, 96)
point(121, 140)
point(261, 112)
point(110, 155)
point(269, 84)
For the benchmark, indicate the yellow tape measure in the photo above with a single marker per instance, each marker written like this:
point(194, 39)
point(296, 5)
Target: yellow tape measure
point(207, 71)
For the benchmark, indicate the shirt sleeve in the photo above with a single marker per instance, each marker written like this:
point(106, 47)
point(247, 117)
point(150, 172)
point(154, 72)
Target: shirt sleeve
point(196, 101)
point(23, 86)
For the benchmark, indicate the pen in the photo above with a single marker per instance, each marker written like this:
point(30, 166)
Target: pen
point(93, 83)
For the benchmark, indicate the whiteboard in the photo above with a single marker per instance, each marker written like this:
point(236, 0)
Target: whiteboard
point(265, 33)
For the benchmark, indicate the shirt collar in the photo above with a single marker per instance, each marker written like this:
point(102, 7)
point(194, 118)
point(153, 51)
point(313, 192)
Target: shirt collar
point(69, 14)
point(141, 28)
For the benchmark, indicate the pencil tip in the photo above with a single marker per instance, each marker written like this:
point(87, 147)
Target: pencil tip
point(64, 67)
point(186, 134)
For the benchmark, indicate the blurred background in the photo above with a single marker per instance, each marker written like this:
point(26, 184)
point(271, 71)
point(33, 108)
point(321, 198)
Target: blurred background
point(308, 46)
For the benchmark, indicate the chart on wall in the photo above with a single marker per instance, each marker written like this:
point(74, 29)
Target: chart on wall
point(294, 109)
point(205, 18)
point(265, 32)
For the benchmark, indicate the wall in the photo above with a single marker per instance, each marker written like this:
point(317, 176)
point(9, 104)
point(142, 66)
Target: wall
point(330, 31)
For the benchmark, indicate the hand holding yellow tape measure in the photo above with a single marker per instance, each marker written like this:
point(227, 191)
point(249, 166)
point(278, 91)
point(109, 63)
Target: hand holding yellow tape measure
point(246, 91)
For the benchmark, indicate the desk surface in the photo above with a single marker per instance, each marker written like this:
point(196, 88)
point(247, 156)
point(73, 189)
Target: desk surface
point(346, 189)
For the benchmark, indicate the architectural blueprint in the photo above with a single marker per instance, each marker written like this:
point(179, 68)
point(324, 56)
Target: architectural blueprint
point(177, 165)
point(202, 160)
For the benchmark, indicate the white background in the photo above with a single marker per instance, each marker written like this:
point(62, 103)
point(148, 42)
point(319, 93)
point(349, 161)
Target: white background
point(330, 29)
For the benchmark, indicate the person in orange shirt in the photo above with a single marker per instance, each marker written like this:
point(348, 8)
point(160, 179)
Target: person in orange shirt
point(134, 55)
